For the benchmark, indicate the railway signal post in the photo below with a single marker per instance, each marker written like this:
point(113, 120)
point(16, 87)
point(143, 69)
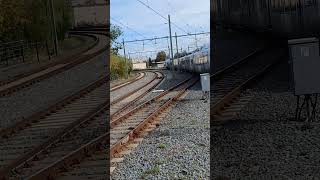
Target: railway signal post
point(171, 45)
point(126, 61)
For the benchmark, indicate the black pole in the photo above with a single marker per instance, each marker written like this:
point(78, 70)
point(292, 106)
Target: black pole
point(37, 51)
point(6, 55)
point(125, 57)
point(171, 44)
point(48, 50)
point(176, 43)
point(22, 52)
point(54, 28)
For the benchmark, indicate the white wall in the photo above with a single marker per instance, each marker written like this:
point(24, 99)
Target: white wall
point(142, 65)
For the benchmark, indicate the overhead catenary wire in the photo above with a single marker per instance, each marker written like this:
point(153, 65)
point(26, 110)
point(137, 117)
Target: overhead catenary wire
point(149, 7)
point(164, 37)
point(127, 27)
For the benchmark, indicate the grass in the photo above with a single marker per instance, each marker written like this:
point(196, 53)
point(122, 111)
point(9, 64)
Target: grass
point(162, 146)
point(152, 171)
point(160, 161)
point(194, 121)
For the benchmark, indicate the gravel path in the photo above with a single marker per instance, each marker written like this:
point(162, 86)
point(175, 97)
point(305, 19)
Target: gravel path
point(23, 103)
point(177, 149)
point(266, 143)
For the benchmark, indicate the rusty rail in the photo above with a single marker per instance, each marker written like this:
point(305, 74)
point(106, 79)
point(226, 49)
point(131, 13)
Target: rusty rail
point(120, 119)
point(132, 92)
point(233, 95)
point(75, 157)
point(98, 144)
point(132, 102)
point(23, 161)
point(135, 132)
point(59, 104)
point(130, 81)
point(38, 150)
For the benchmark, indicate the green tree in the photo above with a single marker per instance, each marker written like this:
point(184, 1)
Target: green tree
point(31, 19)
point(161, 56)
point(115, 32)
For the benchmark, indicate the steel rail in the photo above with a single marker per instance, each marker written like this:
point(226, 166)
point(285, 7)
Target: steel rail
point(24, 160)
point(126, 107)
point(129, 81)
point(181, 88)
point(235, 92)
point(20, 125)
point(23, 82)
point(53, 170)
point(63, 60)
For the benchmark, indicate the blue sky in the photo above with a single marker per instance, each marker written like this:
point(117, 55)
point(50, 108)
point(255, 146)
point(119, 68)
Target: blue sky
point(190, 15)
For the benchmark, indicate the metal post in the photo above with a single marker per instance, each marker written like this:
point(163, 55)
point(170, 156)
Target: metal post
point(195, 37)
point(177, 43)
point(6, 55)
point(171, 43)
point(48, 50)
point(124, 54)
point(37, 51)
point(55, 28)
point(219, 12)
point(22, 53)
point(269, 14)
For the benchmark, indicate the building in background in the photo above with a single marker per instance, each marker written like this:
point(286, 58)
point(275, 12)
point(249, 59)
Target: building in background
point(139, 65)
point(90, 12)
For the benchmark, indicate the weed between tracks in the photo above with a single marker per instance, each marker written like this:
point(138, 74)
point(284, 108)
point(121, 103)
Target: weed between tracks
point(152, 171)
point(162, 146)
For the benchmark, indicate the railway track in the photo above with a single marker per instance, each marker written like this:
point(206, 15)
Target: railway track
point(228, 83)
point(128, 126)
point(24, 80)
point(89, 160)
point(81, 120)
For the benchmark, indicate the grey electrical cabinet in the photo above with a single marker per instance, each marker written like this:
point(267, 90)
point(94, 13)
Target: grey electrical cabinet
point(205, 82)
point(305, 63)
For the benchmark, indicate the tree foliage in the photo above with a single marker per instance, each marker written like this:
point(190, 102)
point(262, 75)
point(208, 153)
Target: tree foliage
point(118, 66)
point(31, 19)
point(115, 32)
point(161, 56)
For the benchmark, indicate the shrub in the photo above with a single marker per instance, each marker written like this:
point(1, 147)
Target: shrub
point(118, 66)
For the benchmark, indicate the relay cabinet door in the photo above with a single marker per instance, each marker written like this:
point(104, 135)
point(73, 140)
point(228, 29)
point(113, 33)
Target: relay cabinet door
point(305, 59)
point(306, 72)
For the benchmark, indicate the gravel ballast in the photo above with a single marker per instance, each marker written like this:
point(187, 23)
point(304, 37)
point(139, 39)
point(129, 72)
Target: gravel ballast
point(177, 149)
point(40, 95)
point(266, 142)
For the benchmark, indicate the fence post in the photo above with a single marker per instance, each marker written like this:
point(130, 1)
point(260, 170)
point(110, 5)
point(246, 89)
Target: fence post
point(6, 55)
point(22, 52)
point(37, 51)
point(48, 50)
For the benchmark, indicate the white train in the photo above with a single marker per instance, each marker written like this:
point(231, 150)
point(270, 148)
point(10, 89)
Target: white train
point(197, 62)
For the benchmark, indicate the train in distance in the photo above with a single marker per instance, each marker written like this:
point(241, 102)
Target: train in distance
point(197, 61)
